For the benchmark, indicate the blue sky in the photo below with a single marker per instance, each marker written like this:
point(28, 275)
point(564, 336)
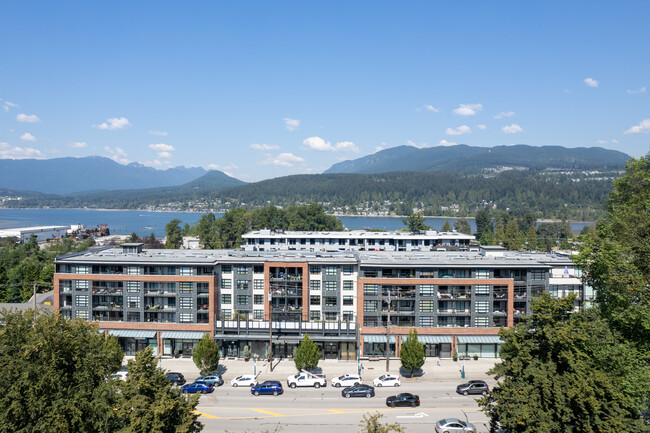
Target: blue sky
point(264, 89)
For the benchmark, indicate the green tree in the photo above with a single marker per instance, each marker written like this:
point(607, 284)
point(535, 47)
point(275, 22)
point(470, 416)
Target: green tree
point(446, 227)
point(173, 237)
point(372, 424)
point(206, 355)
point(55, 374)
point(415, 223)
point(512, 236)
point(146, 401)
point(500, 233)
point(565, 371)
point(306, 355)
point(412, 353)
point(531, 238)
point(462, 226)
point(484, 225)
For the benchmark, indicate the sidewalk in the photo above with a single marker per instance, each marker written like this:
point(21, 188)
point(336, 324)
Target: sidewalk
point(434, 369)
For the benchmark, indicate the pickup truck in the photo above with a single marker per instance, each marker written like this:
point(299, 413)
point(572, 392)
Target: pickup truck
point(305, 378)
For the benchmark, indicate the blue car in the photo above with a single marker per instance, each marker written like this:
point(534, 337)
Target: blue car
point(195, 387)
point(267, 388)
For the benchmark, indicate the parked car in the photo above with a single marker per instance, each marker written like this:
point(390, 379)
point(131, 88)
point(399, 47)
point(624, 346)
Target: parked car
point(346, 380)
point(360, 390)
point(211, 379)
point(454, 425)
point(267, 388)
point(403, 399)
point(386, 380)
point(176, 378)
point(306, 378)
point(197, 386)
point(244, 380)
point(121, 375)
point(473, 387)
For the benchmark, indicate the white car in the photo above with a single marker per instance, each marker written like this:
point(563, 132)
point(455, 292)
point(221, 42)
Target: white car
point(244, 380)
point(121, 375)
point(346, 380)
point(386, 380)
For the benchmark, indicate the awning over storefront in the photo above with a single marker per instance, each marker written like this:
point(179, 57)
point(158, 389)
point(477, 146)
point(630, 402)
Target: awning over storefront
point(316, 338)
point(377, 338)
point(182, 335)
point(434, 339)
point(479, 339)
point(132, 333)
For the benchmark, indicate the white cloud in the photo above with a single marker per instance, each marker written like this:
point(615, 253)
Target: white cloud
point(114, 123)
point(504, 114)
point(381, 147)
point(414, 144)
point(482, 127)
point(317, 143)
point(8, 105)
point(159, 133)
point(444, 142)
point(230, 166)
point(256, 146)
point(512, 129)
point(602, 141)
point(614, 141)
point(161, 147)
point(77, 144)
point(634, 92)
point(32, 118)
point(430, 108)
point(468, 109)
point(8, 152)
point(27, 137)
point(283, 160)
point(164, 155)
point(118, 155)
point(642, 127)
point(291, 124)
point(463, 129)
point(591, 82)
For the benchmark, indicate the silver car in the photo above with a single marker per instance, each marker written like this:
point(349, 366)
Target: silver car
point(454, 425)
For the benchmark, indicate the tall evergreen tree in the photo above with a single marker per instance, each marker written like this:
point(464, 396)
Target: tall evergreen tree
point(412, 353)
point(446, 227)
point(462, 226)
point(206, 355)
point(415, 223)
point(306, 355)
point(173, 237)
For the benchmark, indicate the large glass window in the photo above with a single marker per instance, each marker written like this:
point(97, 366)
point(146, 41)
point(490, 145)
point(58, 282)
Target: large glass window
point(132, 286)
point(226, 269)
point(482, 273)
point(538, 274)
point(370, 289)
point(348, 270)
point(133, 301)
point(226, 298)
point(427, 290)
point(482, 306)
point(331, 285)
point(314, 300)
point(314, 284)
point(185, 317)
point(185, 287)
point(331, 270)
point(242, 270)
point(348, 285)
point(226, 283)
point(314, 269)
point(331, 301)
point(314, 315)
point(81, 300)
point(482, 289)
point(258, 299)
point(348, 300)
point(427, 321)
point(427, 306)
point(242, 299)
point(370, 306)
point(258, 314)
point(186, 270)
point(186, 302)
point(258, 284)
point(81, 269)
point(242, 284)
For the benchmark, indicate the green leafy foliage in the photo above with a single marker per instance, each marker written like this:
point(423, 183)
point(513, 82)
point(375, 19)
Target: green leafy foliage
point(446, 227)
point(372, 424)
point(463, 226)
point(412, 353)
point(306, 355)
point(206, 355)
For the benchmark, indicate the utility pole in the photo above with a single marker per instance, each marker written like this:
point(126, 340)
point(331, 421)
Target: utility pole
point(35, 295)
point(388, 335)
point(270, 332)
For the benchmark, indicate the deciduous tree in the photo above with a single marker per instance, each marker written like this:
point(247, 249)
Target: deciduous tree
point(372, 424)
point(462, 226)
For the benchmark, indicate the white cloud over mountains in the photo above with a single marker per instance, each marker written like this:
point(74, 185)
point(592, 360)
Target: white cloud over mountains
point(163, 150)
point(9, 152)
point(118, 155)
point(512, 129)
point(283, 160)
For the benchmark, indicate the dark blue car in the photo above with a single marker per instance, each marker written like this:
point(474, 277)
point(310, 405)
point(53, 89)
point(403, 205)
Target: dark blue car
point(195, 387)
point(358, 391)
point(267, 388)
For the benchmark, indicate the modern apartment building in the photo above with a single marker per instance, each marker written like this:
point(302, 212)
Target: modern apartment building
point(350, 302)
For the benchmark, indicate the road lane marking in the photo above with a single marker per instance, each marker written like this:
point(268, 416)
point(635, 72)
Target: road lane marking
point(324, 411)
point(335, 411)
point(267, 412)
point(207, 415)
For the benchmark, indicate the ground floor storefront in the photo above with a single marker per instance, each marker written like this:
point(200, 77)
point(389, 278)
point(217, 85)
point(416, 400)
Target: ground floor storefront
point(284, 346)
point(164, 343)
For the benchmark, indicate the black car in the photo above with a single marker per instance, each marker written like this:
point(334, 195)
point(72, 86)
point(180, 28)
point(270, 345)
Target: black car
point(176, 378)
point(473, 387)
point(358, 391)
point(403, 399)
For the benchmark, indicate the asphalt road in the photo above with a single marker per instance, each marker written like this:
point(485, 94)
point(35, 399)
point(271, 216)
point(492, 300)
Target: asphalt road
point(323, 410)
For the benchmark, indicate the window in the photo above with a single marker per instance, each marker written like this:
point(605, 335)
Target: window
point(482, 306)
point(258, 299)
point(226, 314)
point(186, 270)
point(330, 301)
point(370, 289)
point(348, 285)
point(314, 284)
point(185, 302)
point(81, 269)
point(258, 314)
point(314, 269)
point(185, 317)
point(81, 300)
point(133, 270)
point(482, 273)
point(226, 269)
point(427, 321)
point(226, 298)
point(427, 290)
point(258, 284)
point(370, 321)
point(482, 289)
point(314, 300)
point(82, 285)
point(331, 285)
point(82, 314)
point(242, 284)
point(185, 287)
point(427, 306)
point(348, 300)
point(331, 270)
point(226, 283)
point(481, 322)
point(258, 269)
point(132, 286)
point(538, 274)
point(314, 315)
point(331, 316)
point(348, 270)
point(242, 299)
point(133, 301)
point(242, 270)
point(370, 306)
point(347, 316)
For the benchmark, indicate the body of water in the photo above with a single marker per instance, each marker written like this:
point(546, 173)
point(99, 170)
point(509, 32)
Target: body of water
point(144, 223)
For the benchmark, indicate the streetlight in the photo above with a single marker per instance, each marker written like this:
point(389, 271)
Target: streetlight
point(270, 331)
point(388, 335)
